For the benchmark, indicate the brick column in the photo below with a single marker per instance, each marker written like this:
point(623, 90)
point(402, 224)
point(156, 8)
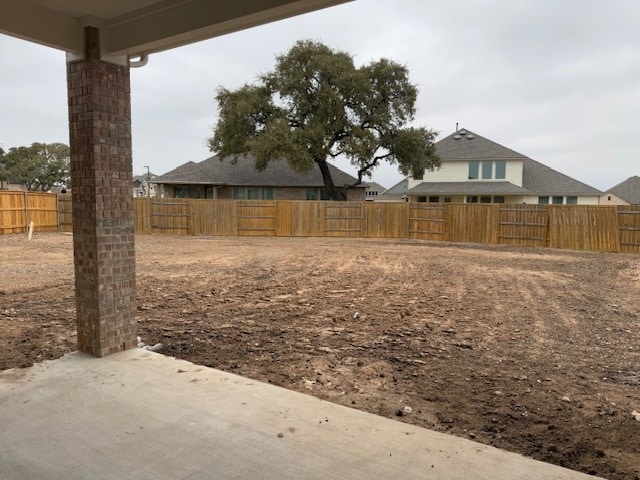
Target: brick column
point(102, 192)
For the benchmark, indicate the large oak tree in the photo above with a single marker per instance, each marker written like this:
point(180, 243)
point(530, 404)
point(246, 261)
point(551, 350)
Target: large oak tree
point(317, 105)
point(40, 166)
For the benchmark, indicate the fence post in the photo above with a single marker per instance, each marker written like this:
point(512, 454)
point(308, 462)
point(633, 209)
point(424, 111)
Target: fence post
point(619, 232)
point(26, 211)
point(446, 228)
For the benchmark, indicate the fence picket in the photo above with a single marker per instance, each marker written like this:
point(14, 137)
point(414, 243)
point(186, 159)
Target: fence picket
point(599, 228)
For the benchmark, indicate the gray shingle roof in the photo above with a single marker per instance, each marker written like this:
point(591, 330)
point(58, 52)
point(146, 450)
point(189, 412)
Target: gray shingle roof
point(467, 145)
point(214, 171)
point(189, 172)
point(542, 180)
point(397, 192)
point(374, 186)
point(143, 178)
point(628, 190)
point(467, 188)
point(537, 178)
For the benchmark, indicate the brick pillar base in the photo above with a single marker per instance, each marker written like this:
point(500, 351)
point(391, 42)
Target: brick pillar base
point(101, 186)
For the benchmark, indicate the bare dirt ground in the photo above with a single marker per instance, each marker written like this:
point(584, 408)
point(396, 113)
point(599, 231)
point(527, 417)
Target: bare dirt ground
point(534, 351)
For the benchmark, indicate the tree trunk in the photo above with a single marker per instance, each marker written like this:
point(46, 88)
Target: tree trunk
point(334, 193)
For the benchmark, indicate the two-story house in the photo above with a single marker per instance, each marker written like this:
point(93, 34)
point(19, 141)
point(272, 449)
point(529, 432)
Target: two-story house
point(475, 169)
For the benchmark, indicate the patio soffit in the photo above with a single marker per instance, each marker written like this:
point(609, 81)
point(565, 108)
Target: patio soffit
point(137, 27)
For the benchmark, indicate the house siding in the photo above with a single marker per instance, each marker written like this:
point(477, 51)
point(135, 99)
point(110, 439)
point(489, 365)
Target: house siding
point(515, 172)
point(588, 200)
point(512, 199)
point(290, 193)
point(611, 199)
point(279, 193)
point(458, 171)
point(582, 199)
point(448, 172)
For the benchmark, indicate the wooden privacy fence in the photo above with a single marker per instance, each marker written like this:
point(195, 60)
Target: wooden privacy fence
point(19, 209)
point(606, 228)
point(599, 228)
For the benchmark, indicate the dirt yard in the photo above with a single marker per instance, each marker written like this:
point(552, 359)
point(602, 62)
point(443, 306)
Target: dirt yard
point(534, 351)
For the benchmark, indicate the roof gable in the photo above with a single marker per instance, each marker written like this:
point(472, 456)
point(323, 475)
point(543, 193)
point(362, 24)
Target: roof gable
point(399, 188)
point(628, 190)
point(241, 171)
point(467, 145)
point(374, 187)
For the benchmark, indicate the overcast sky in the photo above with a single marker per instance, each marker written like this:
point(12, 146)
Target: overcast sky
point(556, 80)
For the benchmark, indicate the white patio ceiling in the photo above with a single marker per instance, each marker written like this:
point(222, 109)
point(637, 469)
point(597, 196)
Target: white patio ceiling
point(135, 27)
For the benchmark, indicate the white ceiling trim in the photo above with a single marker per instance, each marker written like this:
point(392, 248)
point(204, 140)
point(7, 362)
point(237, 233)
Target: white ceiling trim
point(161, 26)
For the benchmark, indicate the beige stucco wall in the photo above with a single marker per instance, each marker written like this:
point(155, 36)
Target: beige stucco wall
point(610, 199)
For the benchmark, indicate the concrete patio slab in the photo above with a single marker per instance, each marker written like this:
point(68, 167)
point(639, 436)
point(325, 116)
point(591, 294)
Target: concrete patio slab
point(142, 415)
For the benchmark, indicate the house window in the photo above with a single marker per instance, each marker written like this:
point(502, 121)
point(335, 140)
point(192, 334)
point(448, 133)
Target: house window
point(609, 198)
point(486, 170)
point(543, 200)
point(472, 199)
point(498, 199)
point(253, 193)
point(208, 192)
point(474, 168)
point(318, 194)
point(447, 199)
point(572, 200)
point(434, 199)
point(422, 199)
point(485, 199)
point(558, 200)
point(184, 191)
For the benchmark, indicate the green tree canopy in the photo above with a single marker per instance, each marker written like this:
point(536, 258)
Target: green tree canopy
point(316, 105)
point(40, 166)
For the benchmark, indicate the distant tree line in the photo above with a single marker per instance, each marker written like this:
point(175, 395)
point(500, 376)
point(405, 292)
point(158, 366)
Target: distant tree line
point(39, 167)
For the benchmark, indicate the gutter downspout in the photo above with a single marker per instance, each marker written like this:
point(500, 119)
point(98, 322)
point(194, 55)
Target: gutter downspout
point(141, 61)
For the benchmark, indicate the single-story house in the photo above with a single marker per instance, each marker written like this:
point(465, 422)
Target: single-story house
point(237, 179)
point(475, 169)
point(625, 193)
